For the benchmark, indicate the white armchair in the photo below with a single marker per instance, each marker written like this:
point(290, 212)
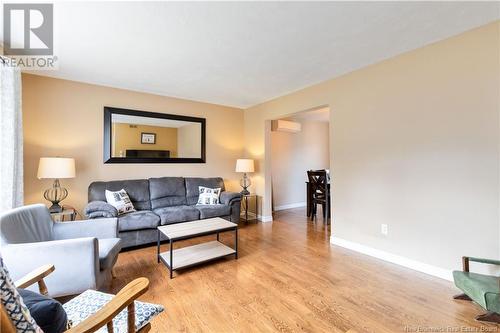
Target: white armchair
point(84, 251)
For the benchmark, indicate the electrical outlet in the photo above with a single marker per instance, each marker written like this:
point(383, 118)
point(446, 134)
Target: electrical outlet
point(384, 230)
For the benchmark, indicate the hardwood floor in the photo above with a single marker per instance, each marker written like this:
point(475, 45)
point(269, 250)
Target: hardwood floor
point(288, 278)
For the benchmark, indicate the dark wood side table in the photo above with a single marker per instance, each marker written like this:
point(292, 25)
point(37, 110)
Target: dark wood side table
point(67, 214)
point(244, 202)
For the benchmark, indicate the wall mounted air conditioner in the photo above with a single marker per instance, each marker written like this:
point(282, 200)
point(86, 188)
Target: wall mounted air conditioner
point(286, 126)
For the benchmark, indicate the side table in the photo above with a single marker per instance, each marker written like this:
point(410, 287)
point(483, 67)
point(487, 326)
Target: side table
point(67, 214)
point(245, 200)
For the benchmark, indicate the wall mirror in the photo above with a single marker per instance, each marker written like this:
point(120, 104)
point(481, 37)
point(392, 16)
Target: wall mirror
point(132, 136)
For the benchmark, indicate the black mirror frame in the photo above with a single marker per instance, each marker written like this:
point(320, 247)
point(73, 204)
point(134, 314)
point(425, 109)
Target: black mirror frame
point(109, 111)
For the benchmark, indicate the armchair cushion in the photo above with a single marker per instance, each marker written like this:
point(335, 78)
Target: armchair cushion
point(88, 303)
point(99, 228)
point(47, 312)
point(143, 219)
point(97, 209)
point(483, 289)
point(226, 198)
point(26, 224)
point(108, 252)
point(77, 262)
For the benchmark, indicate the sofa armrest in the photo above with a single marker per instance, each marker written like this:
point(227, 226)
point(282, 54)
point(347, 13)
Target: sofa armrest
point(76, 262)
point(99, 228)
point(100, 209)
point(227, 198)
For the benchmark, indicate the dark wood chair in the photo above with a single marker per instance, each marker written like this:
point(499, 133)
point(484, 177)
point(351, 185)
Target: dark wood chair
point(319, 192)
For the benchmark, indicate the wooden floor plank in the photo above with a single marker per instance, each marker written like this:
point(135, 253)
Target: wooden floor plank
point(288, 278)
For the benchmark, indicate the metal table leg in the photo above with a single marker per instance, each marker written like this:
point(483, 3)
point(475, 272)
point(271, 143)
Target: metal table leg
point(246, 209)
point(158, 248)
point(171, 258)
point(236, 243)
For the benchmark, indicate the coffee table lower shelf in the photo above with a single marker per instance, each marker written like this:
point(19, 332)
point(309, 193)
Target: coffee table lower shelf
point(196, 254)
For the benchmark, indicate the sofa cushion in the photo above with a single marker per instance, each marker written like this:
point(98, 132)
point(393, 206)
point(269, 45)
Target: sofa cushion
point(208, 211)
point(47, 312)
point(167, 192)
point(483, 289)
point(177, 214)
point(137, 190)
point(108, 252)
point(145, 219)
point(193, 184)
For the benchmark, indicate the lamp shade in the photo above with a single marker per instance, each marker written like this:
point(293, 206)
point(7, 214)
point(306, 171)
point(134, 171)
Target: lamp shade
point(244, 165)
point(56, 168)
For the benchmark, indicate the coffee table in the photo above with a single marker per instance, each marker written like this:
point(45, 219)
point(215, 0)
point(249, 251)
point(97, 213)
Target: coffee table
point(199, 253)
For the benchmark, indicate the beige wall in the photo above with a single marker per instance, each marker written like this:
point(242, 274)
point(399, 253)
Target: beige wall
point(415, 145)
point(65, 118)
point(189, 138)
point(126, 137)
point(292, 155)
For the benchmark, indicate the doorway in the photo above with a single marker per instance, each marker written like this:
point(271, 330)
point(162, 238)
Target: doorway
point(297, 143)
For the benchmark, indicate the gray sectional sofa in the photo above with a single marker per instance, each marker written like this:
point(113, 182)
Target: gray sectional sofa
point(159, 201)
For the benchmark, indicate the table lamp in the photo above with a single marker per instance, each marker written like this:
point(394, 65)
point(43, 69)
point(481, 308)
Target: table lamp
point(245, 165)
point(56, 168)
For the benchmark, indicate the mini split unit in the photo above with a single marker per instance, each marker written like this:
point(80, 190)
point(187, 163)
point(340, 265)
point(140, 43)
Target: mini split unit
point(286, 126)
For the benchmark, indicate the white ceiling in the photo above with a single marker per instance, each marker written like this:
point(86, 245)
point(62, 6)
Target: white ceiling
point(244, 53)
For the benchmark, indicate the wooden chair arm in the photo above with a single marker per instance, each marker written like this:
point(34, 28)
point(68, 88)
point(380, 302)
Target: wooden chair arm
point(125, 298)
point(466, 260)
point(36, 276)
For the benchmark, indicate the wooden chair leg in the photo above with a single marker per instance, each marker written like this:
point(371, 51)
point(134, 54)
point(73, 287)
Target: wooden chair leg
point(490, 317)
point(462, 297)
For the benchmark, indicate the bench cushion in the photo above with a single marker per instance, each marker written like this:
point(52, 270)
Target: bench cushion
point(177, 214)
point(89, 302)
point(483, 289)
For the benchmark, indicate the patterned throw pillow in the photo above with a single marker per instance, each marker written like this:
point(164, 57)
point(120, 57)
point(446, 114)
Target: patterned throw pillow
point(208, 196)
point(14, 305)
point(89, 302)
point(120, 201)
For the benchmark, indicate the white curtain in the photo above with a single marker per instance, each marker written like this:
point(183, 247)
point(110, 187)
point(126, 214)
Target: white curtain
point(11, 138)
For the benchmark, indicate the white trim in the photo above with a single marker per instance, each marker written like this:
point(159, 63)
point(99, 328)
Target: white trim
point(290, 206)
point(394, 258)
point(265, 218)
point(261, 218)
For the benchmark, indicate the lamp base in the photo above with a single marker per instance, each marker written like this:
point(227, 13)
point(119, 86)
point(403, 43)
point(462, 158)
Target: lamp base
point(55, 208)
point(245, 192)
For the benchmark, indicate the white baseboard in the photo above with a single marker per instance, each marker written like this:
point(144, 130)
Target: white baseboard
point(290, 206)
point(265, 218)
point(394, 258)
point(259, 217)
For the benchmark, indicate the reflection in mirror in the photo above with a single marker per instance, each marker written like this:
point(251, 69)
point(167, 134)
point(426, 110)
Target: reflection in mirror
point(146, 137)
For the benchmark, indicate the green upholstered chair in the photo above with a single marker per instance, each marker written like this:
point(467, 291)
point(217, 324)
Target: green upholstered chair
point(480, 288)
